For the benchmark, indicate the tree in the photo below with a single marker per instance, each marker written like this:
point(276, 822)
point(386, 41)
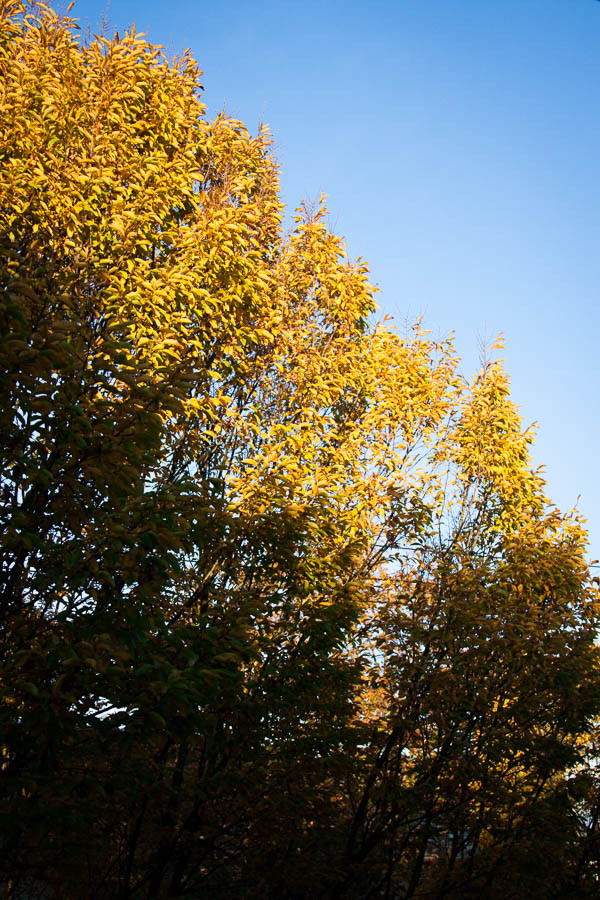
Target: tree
point(284, 603)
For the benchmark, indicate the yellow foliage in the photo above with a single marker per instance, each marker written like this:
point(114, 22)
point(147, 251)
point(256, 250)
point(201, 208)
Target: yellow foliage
point(238, 513)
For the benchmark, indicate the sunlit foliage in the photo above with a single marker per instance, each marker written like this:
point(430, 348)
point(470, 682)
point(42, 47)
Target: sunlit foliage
point(285, 610)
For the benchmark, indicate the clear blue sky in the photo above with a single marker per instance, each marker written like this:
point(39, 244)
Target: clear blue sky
point(459, 145)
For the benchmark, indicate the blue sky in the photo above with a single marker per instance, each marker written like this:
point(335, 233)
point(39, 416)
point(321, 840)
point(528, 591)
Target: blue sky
point(459, 146)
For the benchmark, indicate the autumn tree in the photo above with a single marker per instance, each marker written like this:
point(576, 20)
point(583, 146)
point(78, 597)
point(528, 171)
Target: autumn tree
point(485, 671)
point(285, 610)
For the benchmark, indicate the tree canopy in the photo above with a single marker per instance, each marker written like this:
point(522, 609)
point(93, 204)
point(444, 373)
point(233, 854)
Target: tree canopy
point(286, 612)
